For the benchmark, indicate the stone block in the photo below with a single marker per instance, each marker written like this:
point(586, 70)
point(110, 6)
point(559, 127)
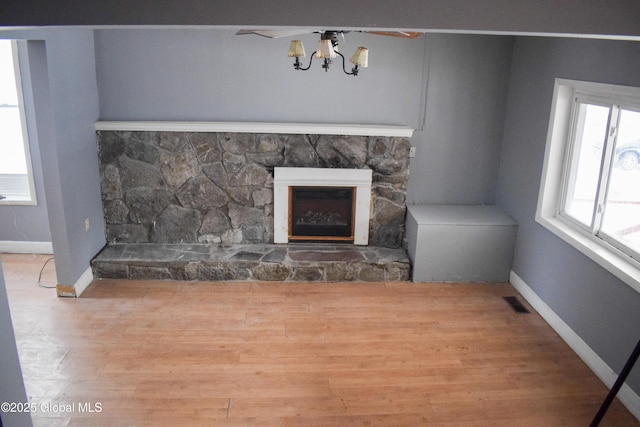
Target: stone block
point(179, 168)
point(137, 272)
point(111, 145)
point(216, 221)
point(145, 204)
point(372, 273)
point(298, 152)
point(400, 148)
point(262, 196)
point(238, 143)
point(307, 274)
point(177, 224)
point(134, 173)
point(242, 215)
point(398, 272)
point(342, 152)
point(110, 270)
point(272, 272)
point(187, 272)
point(341, 272)
point(206, 147)
point(115, 212)
point(142, 151)
point(378, 146)
point(233, 163)
point(127, 233)
point(110, 185)
point(201, 194)
point(171, 141)
point(220, 272)
point(216, 173)
point(251, 174)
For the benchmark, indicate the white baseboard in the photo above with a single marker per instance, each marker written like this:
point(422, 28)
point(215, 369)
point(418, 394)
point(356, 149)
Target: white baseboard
point(77, 288)
point(84, 281)
point(19, 247)
point(626, 395)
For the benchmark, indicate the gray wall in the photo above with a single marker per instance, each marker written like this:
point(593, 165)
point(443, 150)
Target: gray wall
point(550, 16)
point(458, 148)
point(186, 74)
point(11, 382)
point(19, 222)
point(596, 305)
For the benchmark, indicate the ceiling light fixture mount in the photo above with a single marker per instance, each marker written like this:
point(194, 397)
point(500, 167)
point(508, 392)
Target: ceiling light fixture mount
point(328, 50)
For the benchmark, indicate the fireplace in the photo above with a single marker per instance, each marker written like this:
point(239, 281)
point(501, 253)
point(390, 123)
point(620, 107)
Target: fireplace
point(322, 204)
point(203, 182)
point(321, 213)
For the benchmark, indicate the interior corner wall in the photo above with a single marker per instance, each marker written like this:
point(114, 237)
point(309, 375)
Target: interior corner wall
point(458, 144)
point(600, 308)
point(66, 99)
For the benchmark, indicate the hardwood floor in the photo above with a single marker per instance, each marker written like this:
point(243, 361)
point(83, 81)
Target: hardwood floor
point(275, 354)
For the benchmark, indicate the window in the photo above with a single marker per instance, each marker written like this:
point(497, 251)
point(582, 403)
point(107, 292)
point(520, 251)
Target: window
point(590, 192)
point(16, 181)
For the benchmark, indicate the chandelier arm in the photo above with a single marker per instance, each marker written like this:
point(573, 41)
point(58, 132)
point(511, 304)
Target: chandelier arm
point(297, 63)
point(354, 70)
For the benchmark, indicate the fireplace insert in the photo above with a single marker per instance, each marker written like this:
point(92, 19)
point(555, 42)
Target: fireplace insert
point(321, 213)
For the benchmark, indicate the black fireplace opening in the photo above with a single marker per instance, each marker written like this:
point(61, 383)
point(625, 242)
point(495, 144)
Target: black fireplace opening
point(321, 213)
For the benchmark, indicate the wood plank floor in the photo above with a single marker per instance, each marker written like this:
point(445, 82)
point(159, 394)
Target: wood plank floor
point(275, 354)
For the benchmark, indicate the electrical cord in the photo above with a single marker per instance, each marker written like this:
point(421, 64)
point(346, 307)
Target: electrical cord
point(40, 276)
point(26, 238)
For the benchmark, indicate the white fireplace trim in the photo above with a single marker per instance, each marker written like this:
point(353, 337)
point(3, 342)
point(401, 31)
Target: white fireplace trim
point(283, 178)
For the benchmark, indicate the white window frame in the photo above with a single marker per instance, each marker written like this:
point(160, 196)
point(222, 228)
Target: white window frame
point(551, 196)
point(15, 185)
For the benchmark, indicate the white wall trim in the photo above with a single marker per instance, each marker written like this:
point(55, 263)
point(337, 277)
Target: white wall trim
point(256, 127)
point(626, 395)
point(77, 288)
point(83, 282)
point(19, 247)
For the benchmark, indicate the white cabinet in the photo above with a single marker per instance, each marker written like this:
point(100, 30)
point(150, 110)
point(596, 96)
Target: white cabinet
point(449, 243)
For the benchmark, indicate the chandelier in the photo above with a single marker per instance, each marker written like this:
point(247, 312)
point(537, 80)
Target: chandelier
point(328, 50)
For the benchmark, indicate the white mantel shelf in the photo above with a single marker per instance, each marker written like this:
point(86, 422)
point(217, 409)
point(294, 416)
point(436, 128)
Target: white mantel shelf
point(256, 127)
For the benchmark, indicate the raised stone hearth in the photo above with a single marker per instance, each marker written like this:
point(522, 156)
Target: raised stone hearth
point(260, 262)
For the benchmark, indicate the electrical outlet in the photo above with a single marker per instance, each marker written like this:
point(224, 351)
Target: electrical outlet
point(87, 224)
point(412, 152)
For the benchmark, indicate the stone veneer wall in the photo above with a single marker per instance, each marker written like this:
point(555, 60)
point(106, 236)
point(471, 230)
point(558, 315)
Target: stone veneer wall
point(208, 187)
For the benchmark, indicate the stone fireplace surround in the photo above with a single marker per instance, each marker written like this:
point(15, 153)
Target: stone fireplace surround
point(182, 183)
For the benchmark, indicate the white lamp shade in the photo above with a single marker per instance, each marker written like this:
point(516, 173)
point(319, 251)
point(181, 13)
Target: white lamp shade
point(325, 50)
point(296, 49)
point(361, 57)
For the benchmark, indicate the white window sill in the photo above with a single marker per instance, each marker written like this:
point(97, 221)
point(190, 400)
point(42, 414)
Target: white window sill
point(18, 201)
point(618, 264)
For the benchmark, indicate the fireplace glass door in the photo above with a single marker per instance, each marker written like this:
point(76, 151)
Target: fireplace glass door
point(321, 213)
